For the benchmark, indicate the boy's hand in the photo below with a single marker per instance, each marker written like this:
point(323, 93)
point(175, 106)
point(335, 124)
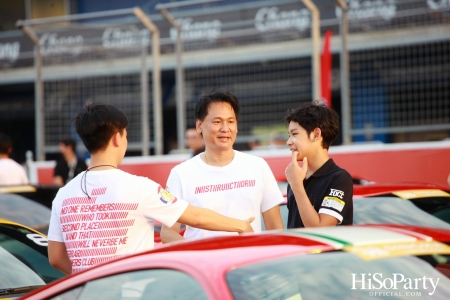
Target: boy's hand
point(247, 225)
point(294, 173)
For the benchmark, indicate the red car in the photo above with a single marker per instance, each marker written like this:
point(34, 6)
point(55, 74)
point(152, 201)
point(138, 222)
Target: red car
point(345, 262)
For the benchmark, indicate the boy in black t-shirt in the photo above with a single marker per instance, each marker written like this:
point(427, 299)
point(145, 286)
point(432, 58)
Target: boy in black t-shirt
point(319, 192)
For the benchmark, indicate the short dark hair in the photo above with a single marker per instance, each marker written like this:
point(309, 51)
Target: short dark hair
point(69, 142)
point(97, 123)
point(216, 95)
point(316, 115)
point(5, 143)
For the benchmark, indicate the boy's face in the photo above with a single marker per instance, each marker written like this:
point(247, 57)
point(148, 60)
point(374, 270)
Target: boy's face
point(300, 141)
point(219, 128)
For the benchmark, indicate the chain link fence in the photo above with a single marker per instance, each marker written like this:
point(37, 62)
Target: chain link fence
point(97, 58)
point(260, 51)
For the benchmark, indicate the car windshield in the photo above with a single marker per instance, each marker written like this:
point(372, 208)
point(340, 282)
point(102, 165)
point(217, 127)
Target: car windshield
point(14, 273)
point(24, 211)
point(338, 275)
point(382, 210)
point(30, 248)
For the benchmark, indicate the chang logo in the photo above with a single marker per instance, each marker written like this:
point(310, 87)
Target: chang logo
point(197, 30)
point(10, 51)
point(270, 18)
point(367, 9)
point(118, 38)
point(51, 43)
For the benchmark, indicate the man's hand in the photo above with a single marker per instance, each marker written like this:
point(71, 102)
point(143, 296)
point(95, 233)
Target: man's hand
point(248, 227)
point(294, 173)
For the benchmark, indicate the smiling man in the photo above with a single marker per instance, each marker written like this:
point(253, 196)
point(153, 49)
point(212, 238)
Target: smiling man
point(224, 180)
point(319, 193)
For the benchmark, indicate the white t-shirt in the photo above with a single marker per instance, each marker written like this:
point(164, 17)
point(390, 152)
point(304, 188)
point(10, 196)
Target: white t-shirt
point(116, 221)
point(11, 173)
point(244, 188)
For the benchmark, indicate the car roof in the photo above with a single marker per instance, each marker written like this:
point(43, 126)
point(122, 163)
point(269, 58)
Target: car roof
point(379, 188)
point(213, 257)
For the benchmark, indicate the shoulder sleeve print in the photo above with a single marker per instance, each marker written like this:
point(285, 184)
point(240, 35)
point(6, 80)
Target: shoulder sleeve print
point(338, 197)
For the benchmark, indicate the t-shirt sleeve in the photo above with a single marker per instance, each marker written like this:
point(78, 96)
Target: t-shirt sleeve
point(338, 197)
point(174, 185)
point(59, 169)
point(54, 230)
point(163, 206)
point(272, 195)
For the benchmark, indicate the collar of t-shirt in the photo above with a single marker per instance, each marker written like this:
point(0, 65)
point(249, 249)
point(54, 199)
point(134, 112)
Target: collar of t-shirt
point(217, 169)
point(324, 169)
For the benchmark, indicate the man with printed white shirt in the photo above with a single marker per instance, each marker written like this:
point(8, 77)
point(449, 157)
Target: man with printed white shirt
point(224, 180)
point(319, 192)
point(105, 213)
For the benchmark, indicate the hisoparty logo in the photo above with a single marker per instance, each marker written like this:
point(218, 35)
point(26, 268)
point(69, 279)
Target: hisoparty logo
point(395, 285)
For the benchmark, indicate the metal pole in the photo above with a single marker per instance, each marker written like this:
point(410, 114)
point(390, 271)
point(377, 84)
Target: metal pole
point(156, 78)
point(181, 104)
point(144, 102)
point(38, 95)
point(345, 77)
point(315, 34)
point(39, 105)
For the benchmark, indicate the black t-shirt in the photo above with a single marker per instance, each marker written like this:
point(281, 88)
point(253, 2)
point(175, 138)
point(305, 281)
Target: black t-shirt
point(330, 190)
point(62, 169)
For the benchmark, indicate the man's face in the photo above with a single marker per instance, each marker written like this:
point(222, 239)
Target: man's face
point(63, 149)
point(194, 140)
point(300, 141)
point(219, 128)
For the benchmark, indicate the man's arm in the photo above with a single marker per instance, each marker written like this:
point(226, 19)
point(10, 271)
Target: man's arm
point(58, 258)
point(58, 180)
point(272, 218)
point(58, 174)
point(205, 219)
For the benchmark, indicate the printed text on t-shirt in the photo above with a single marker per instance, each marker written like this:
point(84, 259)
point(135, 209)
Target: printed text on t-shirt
point(224, 186)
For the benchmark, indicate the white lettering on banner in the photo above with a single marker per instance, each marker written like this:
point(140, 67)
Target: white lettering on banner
point(438, 4)
point(366, 9)
point(118, 38)
point(10, 51)
point(197, 30)
point(270, 18)
point(51, 43)
point(375, 281)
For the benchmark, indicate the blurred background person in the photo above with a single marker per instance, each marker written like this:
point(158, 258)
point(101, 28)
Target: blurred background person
point(194, 141)
point(276, 141)
point(70, 165)
point(253, 144)
point(11, 173)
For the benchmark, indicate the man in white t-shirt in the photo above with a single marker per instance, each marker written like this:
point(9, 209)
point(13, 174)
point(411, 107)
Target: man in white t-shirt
point(11, 173)
point(104, 213)
point(229, 182)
